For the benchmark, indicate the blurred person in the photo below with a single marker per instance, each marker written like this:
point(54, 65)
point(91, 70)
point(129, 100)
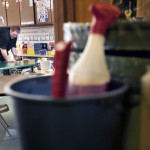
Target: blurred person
point(8, 39)
point(121, 4)
point(122, 17)
point(128, 14)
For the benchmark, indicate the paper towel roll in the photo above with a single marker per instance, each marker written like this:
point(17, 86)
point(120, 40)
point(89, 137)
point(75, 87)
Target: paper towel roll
point(45, 65)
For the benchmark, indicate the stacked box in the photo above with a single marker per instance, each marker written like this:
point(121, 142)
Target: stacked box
point(37, 48)
point(44, 45)
point(52, 45)
point(40, 48)
point(30, 51)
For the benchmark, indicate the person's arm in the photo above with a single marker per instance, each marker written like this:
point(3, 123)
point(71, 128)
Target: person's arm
point(4, 53)
point(14, 51)
point(130, 12)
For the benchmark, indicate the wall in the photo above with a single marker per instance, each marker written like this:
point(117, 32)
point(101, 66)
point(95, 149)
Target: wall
point(36, 35)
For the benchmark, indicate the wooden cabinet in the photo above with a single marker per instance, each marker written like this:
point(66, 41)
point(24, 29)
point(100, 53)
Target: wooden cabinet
point(81, 10)
point(143, 8)
point(3, 20)
point(71, 10)
point(13, 13)
point(78, 10)
point(37, 13)
point(9, 10)
point(27, 13)
point(58, 20)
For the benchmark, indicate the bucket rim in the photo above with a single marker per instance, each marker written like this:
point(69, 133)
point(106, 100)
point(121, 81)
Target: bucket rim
point(33, 97)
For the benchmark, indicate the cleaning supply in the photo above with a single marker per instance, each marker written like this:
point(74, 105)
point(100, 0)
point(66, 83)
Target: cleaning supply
point(90, 74)
point(60, 77)
point(39, 64)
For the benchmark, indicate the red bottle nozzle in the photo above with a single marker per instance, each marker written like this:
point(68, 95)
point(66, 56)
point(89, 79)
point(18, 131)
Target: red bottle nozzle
point(103, 15)
point(60, 76)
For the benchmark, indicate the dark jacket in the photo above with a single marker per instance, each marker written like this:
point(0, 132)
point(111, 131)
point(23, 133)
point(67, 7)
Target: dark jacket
point(5, 41)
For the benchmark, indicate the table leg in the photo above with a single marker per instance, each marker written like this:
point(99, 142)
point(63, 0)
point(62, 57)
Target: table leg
point(3, 124)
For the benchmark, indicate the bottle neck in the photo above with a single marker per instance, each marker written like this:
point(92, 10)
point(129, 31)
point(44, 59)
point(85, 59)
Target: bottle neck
point(98, 27)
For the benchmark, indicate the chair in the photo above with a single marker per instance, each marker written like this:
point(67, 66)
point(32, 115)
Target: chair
point(4, 108)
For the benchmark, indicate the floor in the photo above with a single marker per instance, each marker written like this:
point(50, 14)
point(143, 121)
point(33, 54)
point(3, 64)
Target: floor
point(8, 142)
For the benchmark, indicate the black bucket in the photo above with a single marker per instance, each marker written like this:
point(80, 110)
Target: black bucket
point(77, 123)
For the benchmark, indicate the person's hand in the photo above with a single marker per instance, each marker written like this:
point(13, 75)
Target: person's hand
point(17, 57)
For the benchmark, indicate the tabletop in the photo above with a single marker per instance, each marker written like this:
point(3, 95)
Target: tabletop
point(6, 79)
point(17, 64)
point(35, 55)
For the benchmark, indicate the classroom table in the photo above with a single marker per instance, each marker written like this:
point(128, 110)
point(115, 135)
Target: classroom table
point(17, 64)
point(24, 56)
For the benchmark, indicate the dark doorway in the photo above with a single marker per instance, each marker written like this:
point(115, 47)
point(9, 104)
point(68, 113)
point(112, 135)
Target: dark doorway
point(126, 5)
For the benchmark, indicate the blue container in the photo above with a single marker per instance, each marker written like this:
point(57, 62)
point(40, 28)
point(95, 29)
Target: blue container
point(44, 45)
point(37, 46)
point(43, 51)
point(40, 45)
point(36, 51)
point(52, 47)
point(76, 123)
